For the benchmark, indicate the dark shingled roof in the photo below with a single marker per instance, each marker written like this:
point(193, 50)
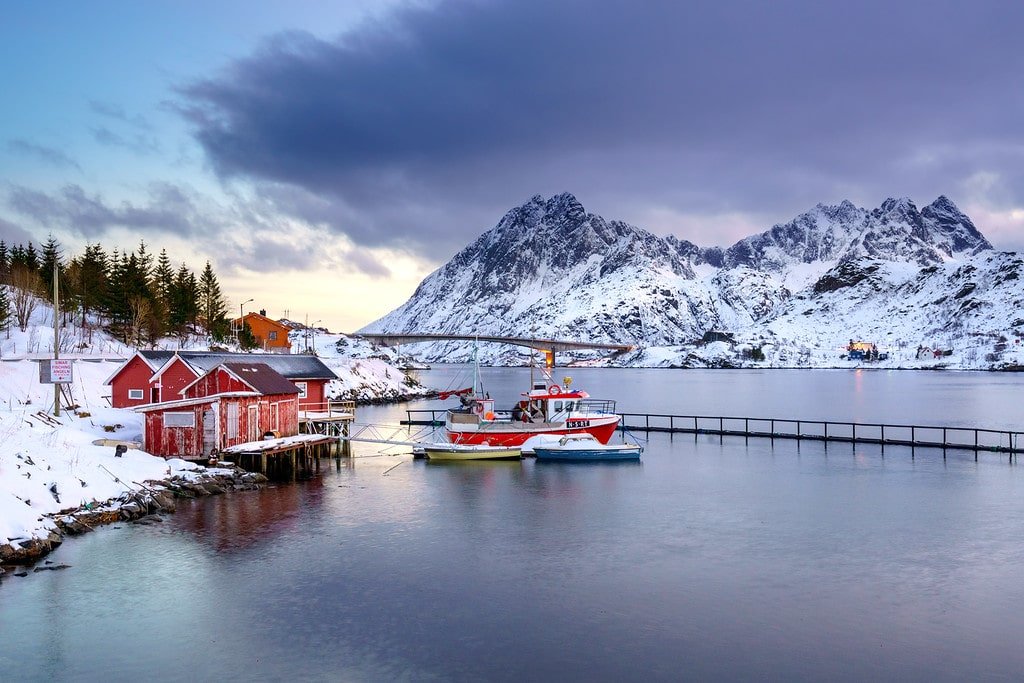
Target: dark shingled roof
point(293, 366)
point(262, 378)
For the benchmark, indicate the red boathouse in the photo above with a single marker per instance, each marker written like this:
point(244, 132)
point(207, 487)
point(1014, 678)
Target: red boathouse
point(233, 403)
point(153, 376)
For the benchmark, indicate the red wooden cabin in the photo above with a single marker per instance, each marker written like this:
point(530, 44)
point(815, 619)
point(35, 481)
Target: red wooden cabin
point(154, 376)
point(233, 403)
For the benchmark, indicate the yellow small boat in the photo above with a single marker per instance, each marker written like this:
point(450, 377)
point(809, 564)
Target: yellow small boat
point(456, 451)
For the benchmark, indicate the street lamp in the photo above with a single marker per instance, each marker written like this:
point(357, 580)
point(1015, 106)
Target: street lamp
point(312, 330)
point(241, 315)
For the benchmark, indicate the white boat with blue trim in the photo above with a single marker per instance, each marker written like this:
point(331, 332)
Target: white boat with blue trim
point(585, 448)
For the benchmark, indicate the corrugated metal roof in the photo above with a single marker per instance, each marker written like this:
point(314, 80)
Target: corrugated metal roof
point(262, 378)
point(291, 366)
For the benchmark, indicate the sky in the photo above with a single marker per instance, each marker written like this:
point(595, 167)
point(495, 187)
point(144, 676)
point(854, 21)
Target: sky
point(327, 156)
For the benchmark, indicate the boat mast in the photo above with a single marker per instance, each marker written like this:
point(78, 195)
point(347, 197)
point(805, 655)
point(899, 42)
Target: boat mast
point(477, 384)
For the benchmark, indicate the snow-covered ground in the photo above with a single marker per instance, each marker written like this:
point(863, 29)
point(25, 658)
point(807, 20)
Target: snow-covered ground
point(50, 465)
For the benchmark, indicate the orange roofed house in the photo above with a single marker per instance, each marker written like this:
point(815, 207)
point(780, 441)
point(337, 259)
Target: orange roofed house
point(270, 335)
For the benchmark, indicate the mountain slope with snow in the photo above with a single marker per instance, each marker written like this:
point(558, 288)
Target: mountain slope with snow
point(895, 275)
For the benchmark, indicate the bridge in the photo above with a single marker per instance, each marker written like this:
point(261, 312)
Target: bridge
point(548, 346)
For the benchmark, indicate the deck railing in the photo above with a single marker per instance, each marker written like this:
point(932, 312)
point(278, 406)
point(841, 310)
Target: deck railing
point(916, 436)
point(329, 409)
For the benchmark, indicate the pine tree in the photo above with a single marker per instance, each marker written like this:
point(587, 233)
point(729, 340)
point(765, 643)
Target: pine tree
point(5, 262)
point(17, 258)
point(5, 311)
point(93, 280)
point(32, 258)
point(145, 262)
point(50, 262)
point(180, 305)
point(163, 279)
point(246, 339)
point(212, 306)
point(116, 304)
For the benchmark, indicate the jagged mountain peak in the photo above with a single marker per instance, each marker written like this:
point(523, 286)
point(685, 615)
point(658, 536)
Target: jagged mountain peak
point(955, 227)
point(895, 231)
point(551, 268)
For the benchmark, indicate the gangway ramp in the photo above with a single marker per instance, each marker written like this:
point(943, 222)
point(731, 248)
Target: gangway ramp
point(389, 434)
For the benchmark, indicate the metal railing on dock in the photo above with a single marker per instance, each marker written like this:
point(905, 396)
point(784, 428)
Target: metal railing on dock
point(914, 436)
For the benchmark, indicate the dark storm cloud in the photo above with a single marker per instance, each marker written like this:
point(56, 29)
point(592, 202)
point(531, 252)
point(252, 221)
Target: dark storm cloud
point(14, 234)
point(169, 209)
point(275, 255)
point(424, 128)
point(52, 156)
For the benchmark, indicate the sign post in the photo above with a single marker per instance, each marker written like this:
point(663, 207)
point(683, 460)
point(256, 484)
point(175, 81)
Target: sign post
point(56, 339)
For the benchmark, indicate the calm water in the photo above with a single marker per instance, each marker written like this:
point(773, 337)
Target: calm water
point(708, 560)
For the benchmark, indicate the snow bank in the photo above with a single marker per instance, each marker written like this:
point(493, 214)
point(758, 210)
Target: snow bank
point(45, 469)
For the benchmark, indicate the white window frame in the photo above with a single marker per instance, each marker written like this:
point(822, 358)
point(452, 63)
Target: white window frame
point(302, 388)
point(232, 420)
point(136, 394)
point(182, 420)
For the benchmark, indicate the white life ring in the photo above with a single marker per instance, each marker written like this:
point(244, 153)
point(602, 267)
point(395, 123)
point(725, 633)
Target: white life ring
point(478, 408)
point(554, 390)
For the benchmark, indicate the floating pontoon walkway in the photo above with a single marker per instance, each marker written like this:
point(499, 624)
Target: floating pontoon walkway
point(913, 436)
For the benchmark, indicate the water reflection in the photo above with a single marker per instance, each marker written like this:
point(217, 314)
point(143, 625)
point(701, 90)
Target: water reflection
point(235, 522)
point(712, 559)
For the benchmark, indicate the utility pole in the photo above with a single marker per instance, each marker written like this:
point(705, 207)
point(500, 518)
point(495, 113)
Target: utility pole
point(56, 335)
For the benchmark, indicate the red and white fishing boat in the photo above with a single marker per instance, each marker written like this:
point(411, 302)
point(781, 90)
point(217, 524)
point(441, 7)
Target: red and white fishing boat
point(547, 408)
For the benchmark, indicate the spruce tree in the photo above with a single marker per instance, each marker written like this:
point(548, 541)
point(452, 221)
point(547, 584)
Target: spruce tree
point(163, 278)
point(32, 258)
point(116, 305)
point(180, 305)
point(212, 306)
point(145, 263)
point(5, 262)
point(17, 258)
point(5, 311)
point(93, 280)
point(246, 339)
point(50, 262)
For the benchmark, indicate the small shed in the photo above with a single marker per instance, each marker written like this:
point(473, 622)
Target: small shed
point(233, 403)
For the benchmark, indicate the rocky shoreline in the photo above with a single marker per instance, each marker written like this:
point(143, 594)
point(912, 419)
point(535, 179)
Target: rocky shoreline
point(148, 498)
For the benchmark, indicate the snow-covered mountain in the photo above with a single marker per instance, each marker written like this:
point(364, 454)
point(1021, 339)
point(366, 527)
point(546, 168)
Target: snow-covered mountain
point(895, 275)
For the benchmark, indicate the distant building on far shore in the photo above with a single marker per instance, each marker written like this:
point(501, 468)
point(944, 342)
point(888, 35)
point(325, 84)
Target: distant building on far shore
point(270, 334)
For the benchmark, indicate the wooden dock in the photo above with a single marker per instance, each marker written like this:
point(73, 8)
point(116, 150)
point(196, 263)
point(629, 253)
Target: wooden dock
point(913, 436)
point(283, 459)
point(332, 419)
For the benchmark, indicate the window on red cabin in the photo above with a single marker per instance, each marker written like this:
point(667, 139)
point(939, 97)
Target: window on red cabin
point(135, 394)
point(232, 421)
point(180, 419)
